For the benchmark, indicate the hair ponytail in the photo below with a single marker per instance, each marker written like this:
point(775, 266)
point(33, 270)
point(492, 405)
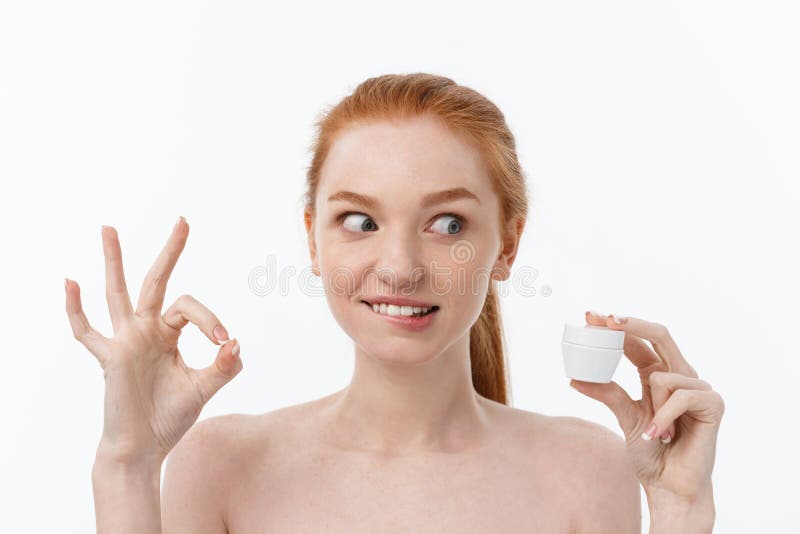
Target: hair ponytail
point(489, 365)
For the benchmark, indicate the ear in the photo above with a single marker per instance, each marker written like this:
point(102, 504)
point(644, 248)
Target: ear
point(512, 234)
point(308, 218)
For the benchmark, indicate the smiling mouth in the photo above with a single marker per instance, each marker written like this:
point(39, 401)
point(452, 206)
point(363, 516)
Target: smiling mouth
point(400, 311)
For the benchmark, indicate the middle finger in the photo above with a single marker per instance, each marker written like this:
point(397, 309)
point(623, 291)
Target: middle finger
point(151, 298)
point(658, 335)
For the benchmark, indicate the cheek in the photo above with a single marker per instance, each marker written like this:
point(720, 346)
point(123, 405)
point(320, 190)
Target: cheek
point(470, 284)
point(467, 266)
point(344, 272)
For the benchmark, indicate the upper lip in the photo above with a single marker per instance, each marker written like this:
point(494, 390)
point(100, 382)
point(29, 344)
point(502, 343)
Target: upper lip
point(399, 301)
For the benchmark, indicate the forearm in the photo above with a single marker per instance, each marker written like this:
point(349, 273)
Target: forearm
point(126, 498)
point(671, 513)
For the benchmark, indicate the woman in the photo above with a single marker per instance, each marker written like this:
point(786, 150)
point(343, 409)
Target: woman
point(414, 188)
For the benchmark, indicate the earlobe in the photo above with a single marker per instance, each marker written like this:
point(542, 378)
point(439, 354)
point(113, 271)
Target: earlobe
point(511, 238)
point(500, 272)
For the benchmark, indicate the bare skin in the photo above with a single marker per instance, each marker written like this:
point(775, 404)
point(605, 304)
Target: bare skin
point(286, 471)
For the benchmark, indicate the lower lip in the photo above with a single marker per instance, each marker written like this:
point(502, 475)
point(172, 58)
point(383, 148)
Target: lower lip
point(414, 324)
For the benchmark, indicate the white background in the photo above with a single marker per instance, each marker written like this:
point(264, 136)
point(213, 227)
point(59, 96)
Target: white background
point(660, 141)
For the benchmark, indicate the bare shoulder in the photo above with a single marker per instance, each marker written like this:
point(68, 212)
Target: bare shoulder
point(199, 472)
point(239, 441)
point(228, 444)
point(211, 463)
point(594, 468)
point(597, 453)
point(572, 432)
point(573, 435)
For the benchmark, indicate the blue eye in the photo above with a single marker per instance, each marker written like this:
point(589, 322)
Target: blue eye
point(453, 224)
point(358, 222)
point(448, 224)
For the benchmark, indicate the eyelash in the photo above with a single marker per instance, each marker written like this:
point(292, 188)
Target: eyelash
point(340, 219)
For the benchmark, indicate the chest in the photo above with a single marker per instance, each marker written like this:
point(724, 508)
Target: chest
point(341, 493)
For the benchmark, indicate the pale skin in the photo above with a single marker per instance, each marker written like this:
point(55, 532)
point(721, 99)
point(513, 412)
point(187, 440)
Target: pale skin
point(408, 445)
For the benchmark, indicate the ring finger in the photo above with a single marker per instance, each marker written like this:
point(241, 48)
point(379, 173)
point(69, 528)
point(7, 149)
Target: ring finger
point(119, 302)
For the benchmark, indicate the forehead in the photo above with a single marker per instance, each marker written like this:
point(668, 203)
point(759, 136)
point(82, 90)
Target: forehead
point(402, 158)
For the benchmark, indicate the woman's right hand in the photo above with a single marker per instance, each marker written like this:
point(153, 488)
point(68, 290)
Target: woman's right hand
point(151, 396)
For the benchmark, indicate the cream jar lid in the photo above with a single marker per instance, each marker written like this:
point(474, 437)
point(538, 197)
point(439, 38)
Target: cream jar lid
point(600, 337)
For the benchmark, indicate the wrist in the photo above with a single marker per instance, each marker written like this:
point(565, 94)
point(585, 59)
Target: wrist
point(670, 512)
point(127, 494)
point(112, 473)
point(112, 458)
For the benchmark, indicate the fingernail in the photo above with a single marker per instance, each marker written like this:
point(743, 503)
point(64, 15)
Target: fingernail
point(65, 284)
point(594, 313)
point(667, 439)
point(220, 333)
point(618, 320)
point(235, 349)
point(650, 432)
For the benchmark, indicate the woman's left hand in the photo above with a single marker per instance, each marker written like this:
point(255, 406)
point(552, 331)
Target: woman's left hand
point(671, 432)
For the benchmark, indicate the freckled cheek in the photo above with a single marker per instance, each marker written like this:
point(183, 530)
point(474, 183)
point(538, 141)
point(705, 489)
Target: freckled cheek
point(345, 272)
point(468, 280)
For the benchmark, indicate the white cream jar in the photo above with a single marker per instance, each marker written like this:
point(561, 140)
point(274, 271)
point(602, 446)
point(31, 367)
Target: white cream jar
point(591, 353)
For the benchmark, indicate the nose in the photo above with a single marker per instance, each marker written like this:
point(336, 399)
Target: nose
point(399, 265)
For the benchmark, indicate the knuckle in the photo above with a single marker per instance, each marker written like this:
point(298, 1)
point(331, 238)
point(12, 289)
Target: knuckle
point(660, 333)
point(224, 370)
point(646, 372)
point(689, 371)
point(683, 395)
point(184, 299)
point(719, 401)
point(659, 378)
point(114, 288)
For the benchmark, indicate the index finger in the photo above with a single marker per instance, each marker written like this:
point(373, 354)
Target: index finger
point(151, 298)
point(658, 336)
point(637, 351)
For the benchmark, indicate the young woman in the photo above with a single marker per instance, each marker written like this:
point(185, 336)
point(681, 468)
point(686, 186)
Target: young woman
point(414, 188)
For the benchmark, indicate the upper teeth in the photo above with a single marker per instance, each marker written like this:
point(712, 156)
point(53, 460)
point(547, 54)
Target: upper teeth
point(393, 309)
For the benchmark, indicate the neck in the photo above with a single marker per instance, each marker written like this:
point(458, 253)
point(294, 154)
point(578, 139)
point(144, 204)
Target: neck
point(399, 409)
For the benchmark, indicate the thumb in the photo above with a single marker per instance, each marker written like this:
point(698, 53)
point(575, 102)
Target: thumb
point(226, 365)
point(613, 396)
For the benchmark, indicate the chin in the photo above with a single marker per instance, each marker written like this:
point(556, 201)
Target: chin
point(399, 351)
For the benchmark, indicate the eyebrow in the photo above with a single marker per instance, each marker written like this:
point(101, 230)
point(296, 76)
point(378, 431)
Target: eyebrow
point(431, 199)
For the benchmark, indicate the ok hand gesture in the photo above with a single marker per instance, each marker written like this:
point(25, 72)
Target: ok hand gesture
point(151, 397)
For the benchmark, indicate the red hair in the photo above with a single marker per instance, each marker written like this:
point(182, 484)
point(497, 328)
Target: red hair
point(468, 112)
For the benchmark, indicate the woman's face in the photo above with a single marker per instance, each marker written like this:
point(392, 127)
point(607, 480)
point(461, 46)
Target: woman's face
point(406, 209)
